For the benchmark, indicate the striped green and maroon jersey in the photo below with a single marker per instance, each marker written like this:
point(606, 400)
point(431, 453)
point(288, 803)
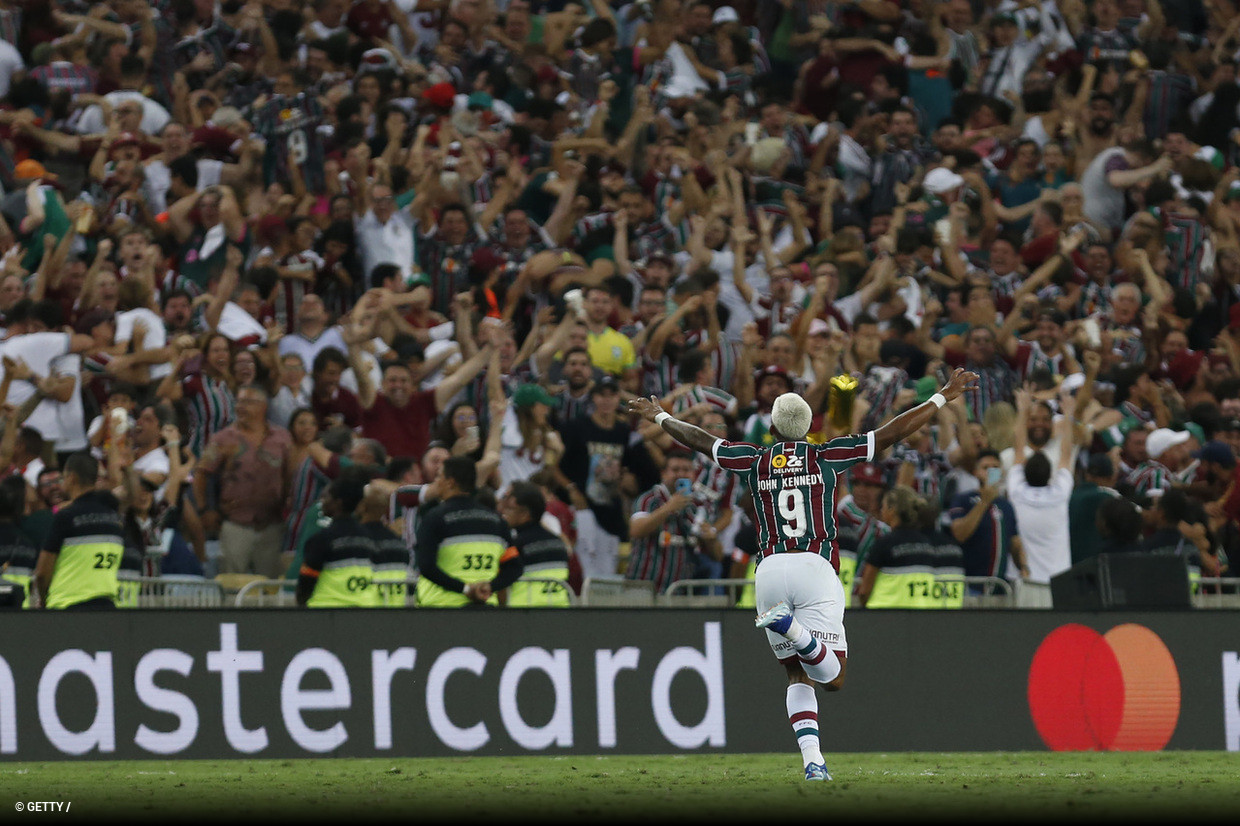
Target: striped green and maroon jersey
point(211, 407)
point(794, 489)
point(720, 400)
point(1151, 478)
point(856, 529)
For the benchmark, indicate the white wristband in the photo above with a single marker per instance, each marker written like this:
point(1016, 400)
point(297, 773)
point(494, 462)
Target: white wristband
point(938, 401)
point(662, 417)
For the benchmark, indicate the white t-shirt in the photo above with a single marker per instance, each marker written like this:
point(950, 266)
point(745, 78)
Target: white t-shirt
point(156, 335)
point(10, 63)
point(685, 81)
point(348, 379)
point(740, 312)
point(390, 243)
point(432, 351)
point(1042, 522)
point(37, 350)
point(425, 23)
point(854, 164)
point(32, 471)
point(850, 305)
point(155, 462)
point(159, 178)
point(285, 402)
point(1008, 65)
point(516, 464)
point(70, 415)
point(1103, 202)
point(40, 351)
point(308, 349)
point(370, 357)
point(93, 428)
point(154, 116)
point(1035, 130)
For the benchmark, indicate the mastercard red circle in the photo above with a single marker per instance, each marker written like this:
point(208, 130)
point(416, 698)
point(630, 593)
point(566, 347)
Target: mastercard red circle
point(1093, 692)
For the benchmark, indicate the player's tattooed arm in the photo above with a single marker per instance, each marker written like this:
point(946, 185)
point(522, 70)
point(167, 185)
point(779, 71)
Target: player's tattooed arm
point(911, 420)
point(688, 435)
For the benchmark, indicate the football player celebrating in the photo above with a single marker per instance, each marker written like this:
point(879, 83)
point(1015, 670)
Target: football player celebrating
point(800, 600)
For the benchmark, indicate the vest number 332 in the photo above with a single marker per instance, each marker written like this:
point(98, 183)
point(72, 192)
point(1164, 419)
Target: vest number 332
point(479, 562)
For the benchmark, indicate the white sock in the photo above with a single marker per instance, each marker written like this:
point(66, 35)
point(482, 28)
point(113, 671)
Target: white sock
point(814, 656)
point(802, 704)
point(798, 635)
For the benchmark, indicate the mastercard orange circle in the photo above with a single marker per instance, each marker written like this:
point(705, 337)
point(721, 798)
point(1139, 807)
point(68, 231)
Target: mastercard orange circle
point(1092, 692)
point(1151, 689)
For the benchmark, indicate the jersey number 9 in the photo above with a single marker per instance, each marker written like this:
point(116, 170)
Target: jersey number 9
point(792, 509)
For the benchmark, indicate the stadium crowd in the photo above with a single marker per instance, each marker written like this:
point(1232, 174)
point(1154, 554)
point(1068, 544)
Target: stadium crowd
point(252, 247)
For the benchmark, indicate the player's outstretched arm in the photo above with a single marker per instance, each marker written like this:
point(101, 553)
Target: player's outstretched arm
point(908, 422)
point(688, 435)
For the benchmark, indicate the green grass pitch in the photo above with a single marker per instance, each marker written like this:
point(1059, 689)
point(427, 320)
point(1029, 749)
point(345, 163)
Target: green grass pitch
point(757, 788)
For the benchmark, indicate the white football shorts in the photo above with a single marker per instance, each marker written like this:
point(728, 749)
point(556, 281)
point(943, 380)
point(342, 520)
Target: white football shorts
point(810, 585)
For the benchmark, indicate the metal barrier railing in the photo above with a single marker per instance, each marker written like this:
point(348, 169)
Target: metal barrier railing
point(614, 591)
point(983, 591)
point(281, 593)
point(979, 592)
point(1216, 592)
point(703, 593)
point(179, 591)
point(267, 593)
point(174, 591)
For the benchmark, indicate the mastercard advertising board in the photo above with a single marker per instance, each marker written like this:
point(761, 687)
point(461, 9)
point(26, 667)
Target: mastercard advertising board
point(245, 683)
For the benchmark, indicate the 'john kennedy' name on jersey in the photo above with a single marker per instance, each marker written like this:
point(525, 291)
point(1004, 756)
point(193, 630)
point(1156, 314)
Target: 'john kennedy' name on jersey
point(790, 481)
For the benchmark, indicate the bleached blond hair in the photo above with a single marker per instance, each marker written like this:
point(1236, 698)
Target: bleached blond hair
point(791, 416)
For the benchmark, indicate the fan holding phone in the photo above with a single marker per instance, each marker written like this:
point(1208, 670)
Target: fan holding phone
point(984, 524)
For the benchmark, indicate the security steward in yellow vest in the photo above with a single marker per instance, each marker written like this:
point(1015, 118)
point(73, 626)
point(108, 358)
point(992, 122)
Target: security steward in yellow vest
point(544, 555)
point(82, 553)
point(463, 553)
point(337, 568)
point(391, 561)
point(18, 553)
point(910, 567)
